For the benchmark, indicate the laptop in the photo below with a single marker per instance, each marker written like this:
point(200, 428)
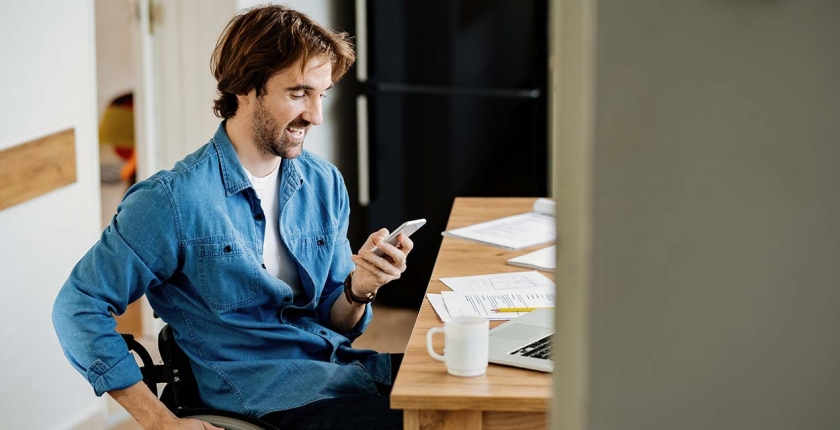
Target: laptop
point(525, 341)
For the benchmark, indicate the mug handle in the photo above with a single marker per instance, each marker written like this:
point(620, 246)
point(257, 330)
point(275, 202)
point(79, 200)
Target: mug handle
point(429, 346)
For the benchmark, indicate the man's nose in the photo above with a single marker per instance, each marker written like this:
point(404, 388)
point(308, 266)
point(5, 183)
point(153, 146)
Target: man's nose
point(313, 112)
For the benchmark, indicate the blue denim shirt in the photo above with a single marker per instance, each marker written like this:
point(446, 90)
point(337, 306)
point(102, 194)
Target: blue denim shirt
point(191, 240)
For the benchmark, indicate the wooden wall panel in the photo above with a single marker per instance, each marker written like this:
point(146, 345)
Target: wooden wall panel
point(37, 167)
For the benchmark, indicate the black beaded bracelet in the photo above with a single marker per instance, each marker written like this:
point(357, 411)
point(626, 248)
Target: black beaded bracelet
point(352, 298)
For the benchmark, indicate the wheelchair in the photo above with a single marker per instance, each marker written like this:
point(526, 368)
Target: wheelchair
point(180, 394)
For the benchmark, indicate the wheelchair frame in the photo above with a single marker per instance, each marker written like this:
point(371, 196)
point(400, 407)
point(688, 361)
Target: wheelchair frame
point(180, 394)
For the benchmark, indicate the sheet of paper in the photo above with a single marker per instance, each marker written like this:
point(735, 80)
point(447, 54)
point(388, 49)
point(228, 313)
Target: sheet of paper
point(541, 260)
point(531, 280)
point(483, 304)
point(513, 232)
point(440, 308)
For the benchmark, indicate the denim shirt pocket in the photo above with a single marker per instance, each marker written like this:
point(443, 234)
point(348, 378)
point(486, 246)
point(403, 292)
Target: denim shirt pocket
point(318, 243)
point(229, 278)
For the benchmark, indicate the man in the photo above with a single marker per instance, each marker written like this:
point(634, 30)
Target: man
point(242, 248)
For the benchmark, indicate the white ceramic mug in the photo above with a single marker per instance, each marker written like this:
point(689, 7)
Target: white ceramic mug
point(465, 345)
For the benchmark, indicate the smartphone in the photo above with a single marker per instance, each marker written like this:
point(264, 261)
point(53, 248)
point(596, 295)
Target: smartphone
point(406, 228)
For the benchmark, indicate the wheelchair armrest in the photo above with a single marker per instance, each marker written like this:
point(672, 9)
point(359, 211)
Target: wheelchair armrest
point(152, 374)
point(182, 386)
point(183, 392)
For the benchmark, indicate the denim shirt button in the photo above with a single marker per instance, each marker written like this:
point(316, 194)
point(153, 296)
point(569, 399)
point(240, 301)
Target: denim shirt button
point(259, 217)
point(263, 266)
point(323, 333)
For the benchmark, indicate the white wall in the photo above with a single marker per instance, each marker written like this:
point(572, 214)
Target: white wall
point(115, 58)
point(48, 84)
point(185, 32)
point(712, 289)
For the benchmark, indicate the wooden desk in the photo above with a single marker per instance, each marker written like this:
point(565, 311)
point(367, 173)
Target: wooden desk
point(504, 398)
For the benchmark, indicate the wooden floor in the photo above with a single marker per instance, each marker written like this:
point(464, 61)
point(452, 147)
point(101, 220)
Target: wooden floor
point(389, 331)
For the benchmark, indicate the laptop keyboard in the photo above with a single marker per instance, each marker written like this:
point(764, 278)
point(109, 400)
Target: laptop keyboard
point(540, 348)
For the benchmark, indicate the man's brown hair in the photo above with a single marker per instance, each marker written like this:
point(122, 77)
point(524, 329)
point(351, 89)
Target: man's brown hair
point(268, 39)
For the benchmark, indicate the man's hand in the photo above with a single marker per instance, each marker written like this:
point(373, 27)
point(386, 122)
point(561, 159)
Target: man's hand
point(373, 271)
point(189, 424)
point(151, 413)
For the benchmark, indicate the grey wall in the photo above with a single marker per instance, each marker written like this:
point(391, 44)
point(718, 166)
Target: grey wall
point(715, 283)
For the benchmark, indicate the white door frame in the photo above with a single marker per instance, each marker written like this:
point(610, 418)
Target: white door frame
point(174, 90)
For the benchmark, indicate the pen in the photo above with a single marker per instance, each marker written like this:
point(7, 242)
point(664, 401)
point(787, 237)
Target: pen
point(521, 309)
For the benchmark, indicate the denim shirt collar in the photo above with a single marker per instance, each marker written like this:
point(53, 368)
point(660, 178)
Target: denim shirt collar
point(234, 177)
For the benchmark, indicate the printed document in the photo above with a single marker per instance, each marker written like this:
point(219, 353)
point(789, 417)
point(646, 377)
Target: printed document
point(440, 308)
point(514, 232)
point(481, 295)
point(532, 280)
point(484, 304)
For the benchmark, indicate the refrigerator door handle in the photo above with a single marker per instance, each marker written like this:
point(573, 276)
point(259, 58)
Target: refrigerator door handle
point(361, 41)
point(362, 104)
point(516, 93)
point(362, 149)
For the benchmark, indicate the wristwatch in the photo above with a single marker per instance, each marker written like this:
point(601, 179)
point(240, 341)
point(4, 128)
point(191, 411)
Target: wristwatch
point(352, 298)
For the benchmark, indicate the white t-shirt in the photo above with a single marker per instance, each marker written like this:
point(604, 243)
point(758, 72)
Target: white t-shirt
point(276, 257)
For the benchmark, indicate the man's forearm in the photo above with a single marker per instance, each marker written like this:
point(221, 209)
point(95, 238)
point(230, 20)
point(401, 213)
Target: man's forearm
point(345, 315)
point(147, 409)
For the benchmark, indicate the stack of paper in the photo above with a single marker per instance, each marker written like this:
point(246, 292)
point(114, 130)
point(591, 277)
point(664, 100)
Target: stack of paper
point(514, 232)
point(482, 295)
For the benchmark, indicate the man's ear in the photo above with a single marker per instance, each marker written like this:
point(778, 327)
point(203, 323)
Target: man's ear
point(244, 99)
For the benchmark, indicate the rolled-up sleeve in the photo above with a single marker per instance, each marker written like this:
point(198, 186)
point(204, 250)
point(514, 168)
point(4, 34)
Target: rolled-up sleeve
point(137, 251)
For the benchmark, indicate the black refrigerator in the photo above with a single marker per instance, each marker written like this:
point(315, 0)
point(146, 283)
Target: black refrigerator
point(451, 102)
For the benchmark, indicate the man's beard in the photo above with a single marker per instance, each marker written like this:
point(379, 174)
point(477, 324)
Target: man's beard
point(270, 137)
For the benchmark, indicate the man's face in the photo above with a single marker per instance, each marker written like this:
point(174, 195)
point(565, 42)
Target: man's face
point(292, 104)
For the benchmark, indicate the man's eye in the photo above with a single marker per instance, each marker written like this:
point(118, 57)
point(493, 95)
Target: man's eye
point(297, 96)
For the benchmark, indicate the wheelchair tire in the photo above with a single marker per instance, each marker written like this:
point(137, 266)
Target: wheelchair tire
point(226, 420)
